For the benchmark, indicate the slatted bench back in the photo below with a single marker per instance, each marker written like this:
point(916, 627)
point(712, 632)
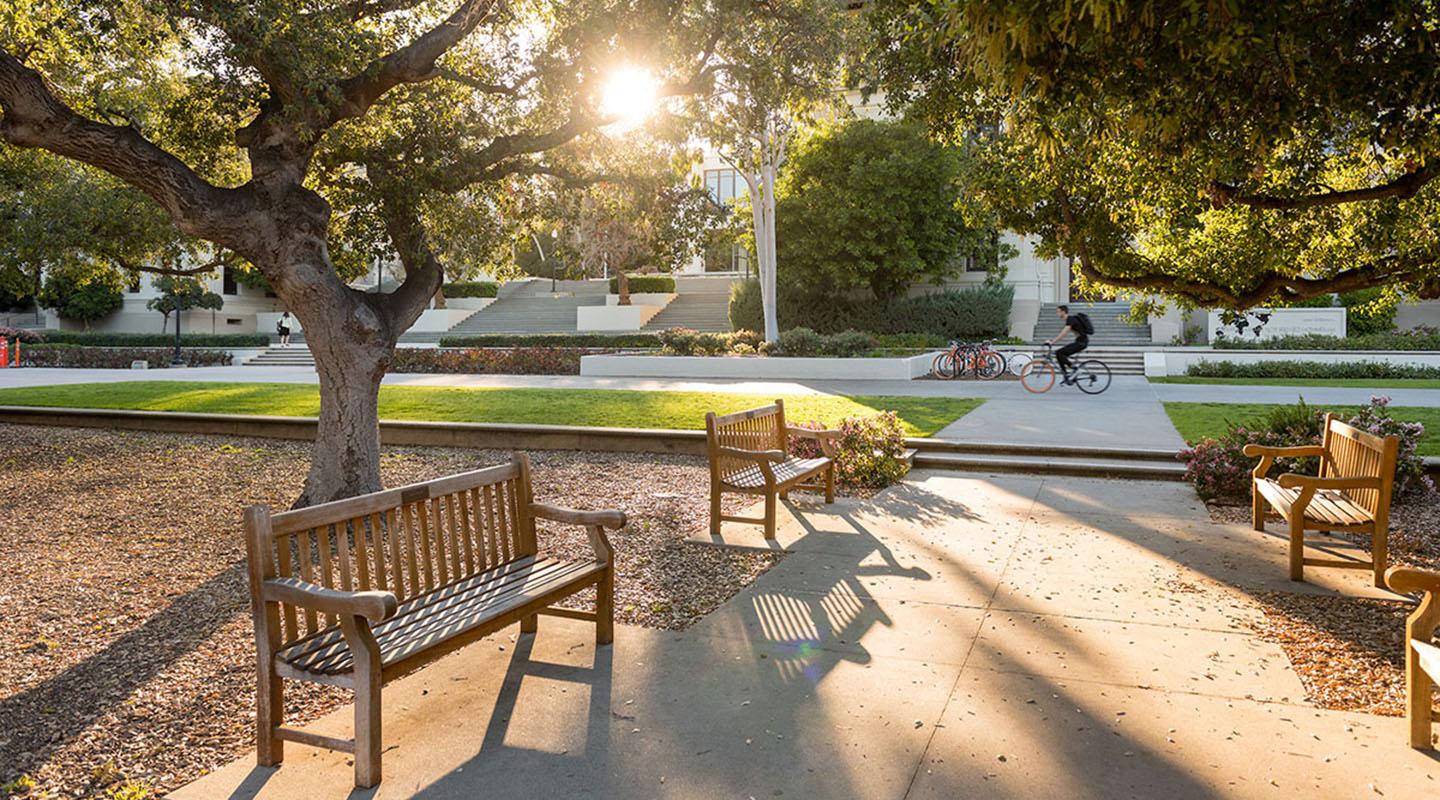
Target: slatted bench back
point(757, 429)
point(407, 541)
point(1353, 453)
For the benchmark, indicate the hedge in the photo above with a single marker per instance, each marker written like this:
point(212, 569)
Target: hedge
point(551, 340)
point(1309, 369)
point(645, 284)
point(100, 339)
point(460, 289)
point(955, 313)
point(516, 361)
point(1418, 339)
point(76, 356)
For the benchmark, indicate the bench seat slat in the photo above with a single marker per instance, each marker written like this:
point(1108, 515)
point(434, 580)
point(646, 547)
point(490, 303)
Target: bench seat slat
point(786, 472)
point(1329, 507)
point(445, 613)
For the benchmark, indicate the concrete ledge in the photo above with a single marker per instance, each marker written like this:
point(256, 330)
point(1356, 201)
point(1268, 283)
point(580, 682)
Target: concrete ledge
point(1176, 361)
point(392, 432)
point(757, 367)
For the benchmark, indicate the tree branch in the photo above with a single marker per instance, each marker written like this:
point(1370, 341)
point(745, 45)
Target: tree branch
point(1403, 187)
point(179, 272)
point(413, 63)
point(34, 117)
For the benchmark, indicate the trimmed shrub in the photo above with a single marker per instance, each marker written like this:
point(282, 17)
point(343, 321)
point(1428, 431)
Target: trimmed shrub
point(83, 299)
point(75, 356)
point(101, 339)
point(645, 284)
point(460, 289)
point(975, 313)
point(626, 340)
point(870, 452)
point(801, 342)
point(1421, 338)
point(498, 361)
point(1309, 369)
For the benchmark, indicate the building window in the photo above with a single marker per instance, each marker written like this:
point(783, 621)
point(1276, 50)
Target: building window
point(227, 282)
point(724, 185)
point(973, 264)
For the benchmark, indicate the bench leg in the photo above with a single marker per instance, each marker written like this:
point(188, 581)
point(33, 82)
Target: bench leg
point(605, 607)
point(1418, 687)
point(714, 508)
point(530, 624)
point(269, 715)
point(1297, 549)
point(770, 502)
point(1380, 555)
point(366, 653)
point(830, 484)
point(1257, 509)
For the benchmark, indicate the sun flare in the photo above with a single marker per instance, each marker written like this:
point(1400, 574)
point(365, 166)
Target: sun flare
point(629, 96)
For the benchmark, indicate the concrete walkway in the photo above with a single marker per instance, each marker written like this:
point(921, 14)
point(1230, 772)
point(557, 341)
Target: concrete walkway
point(955, 637)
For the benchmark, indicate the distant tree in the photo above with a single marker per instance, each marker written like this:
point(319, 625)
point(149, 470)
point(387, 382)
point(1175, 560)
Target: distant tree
point(878, 206)
point(1225, 154)
point(82, 295)
point(179, 294)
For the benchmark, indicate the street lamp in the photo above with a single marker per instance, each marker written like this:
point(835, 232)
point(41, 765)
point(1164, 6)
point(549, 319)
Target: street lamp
point(177, 360)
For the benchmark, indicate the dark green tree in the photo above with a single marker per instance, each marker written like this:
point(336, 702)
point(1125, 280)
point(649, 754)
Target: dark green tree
point(178, 294)
point(82, 295)
point(877, 206)
point(1222, 153)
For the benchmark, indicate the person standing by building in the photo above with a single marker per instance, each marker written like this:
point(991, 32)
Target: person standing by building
point(282, 327)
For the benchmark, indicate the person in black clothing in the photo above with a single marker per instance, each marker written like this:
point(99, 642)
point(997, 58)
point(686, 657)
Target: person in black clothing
point(1069, 325)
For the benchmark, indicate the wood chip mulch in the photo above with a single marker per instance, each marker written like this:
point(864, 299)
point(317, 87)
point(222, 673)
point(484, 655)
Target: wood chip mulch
point(1349, 651)
point(128, 662)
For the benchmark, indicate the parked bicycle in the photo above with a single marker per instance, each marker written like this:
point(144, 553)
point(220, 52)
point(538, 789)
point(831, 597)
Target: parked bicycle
point(1090, 376)
point(980, 360)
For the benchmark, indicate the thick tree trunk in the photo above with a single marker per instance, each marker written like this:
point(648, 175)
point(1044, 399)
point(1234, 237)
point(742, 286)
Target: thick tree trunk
point(346, 459)
point(439, 301)
point(622, 284)
point(763, 214)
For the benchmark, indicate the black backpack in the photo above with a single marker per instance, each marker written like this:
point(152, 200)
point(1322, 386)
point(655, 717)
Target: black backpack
point(1083, 323)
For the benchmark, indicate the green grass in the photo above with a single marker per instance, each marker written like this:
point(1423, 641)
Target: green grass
point(921, 416)
point(1197, 421)
point(1359, 383)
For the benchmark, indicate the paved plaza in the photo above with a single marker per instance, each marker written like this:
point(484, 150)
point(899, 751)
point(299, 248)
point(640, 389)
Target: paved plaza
point(953, 637)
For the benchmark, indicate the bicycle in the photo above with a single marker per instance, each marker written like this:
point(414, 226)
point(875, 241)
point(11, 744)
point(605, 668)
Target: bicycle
point(961, 357)
point(1089, 376)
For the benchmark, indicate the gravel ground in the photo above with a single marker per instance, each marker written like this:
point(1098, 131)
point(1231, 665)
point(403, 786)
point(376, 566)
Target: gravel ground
point(128, 647)
point(1349, 651)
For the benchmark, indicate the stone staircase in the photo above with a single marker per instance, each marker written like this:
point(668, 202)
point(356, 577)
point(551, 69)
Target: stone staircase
point(296, 355)
point(1120, 360)
point(699, 311)
point(530, 307)
point(1111, 328)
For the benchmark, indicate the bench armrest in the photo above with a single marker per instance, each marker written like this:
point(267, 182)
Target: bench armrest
point(825, 438)
point(1290, 480)
point(605, 519)
point(1407, 580)
point(374, 606)
point(1301, 451)
point(771, 456)
point(595, 523)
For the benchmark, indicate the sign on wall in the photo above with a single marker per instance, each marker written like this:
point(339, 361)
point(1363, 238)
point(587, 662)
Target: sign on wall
point(1272, 323)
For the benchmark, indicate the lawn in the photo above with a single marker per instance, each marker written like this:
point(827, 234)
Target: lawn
point(921, 416)
point(1359, 383)
point(1197, 421)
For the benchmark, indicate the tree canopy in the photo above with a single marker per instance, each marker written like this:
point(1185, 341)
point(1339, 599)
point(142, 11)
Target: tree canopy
point(877, 206)
point(1222, 153)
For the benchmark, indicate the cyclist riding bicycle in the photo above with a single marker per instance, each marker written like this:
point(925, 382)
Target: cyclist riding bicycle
point(1078, 324)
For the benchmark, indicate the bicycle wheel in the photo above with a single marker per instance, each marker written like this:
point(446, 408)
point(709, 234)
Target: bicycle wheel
point(1018, 361)
point(1038, 376)
point(1092, 377)
point(989, 365)
point(943, 367)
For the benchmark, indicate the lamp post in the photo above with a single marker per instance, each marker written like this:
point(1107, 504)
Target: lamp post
point(177, 360)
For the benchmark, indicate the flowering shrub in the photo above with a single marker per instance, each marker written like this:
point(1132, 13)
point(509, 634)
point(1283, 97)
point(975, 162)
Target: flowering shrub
point(25, 335)
point(1410, 477)
point(794, 342)
point(870, 452)
point(74, 356)
point(494, 361)
point(1219, 470)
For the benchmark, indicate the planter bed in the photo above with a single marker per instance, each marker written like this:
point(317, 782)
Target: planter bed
point(901, 368)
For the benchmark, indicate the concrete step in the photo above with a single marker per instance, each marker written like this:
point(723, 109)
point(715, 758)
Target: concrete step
point(1039, 463)
point(701, 311)
point(293, 356)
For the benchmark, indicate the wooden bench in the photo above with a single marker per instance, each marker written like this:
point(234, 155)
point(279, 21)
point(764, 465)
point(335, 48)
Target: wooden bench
point(1422, 657)
point(356, 592)
point(749, 453)
point(1352, 493)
